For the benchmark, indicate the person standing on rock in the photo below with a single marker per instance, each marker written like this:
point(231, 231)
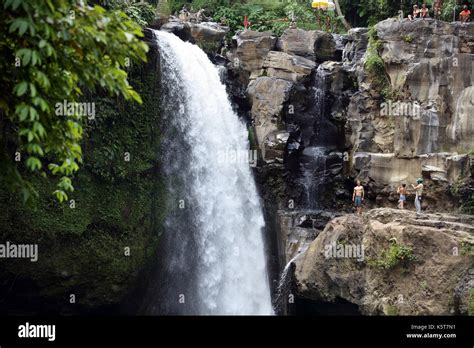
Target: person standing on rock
point(358, 197)
point(419, 192)
point(465, 15)
point(402, 191)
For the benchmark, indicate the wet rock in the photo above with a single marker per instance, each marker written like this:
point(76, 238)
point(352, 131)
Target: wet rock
point(297, 229)
point(356, 46)
point(207, 35)
point(178, 28)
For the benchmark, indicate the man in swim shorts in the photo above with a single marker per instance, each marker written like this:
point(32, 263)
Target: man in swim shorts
point(358, 197)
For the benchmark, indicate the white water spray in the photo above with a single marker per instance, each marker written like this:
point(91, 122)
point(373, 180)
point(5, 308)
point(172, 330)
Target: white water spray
point(223, 262)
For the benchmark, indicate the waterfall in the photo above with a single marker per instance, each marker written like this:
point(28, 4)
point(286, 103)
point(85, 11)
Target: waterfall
point(314, 156)
point(213, 257)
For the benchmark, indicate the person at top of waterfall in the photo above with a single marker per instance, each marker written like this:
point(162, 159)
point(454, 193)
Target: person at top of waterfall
point(358, 197)
point(415, 14)
point(419, 193)
point(465, 15)
point(402, 191)
point(424, 12)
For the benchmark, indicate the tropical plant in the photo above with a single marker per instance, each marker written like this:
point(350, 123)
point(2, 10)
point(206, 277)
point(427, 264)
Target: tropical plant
point(395, 255)
point(51, 53)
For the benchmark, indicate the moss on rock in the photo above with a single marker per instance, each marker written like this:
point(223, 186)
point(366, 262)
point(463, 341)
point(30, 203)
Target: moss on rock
point(116, 207)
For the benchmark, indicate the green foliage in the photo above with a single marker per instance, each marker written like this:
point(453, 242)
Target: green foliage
point(467, 249)
point(264, 15)
point(369, 12)
point(142, 13)
point(467, 206)
point(450, 7)
point(361, 13)
point(375, 66)
point(461, 190)
point(164, 8)
point(408, 39)
point(392, 311)
point(54, 52)
point(117, 204)
point(252, 138)
point(373, 10)
point(395, 255)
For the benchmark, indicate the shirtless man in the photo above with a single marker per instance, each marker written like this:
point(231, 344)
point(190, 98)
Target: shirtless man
point(358, 197)
point(402, 191)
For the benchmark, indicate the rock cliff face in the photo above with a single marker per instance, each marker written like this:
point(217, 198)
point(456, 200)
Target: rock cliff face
point(434, 280)
point(324, 117)
point(310, 89)
point(207, 35)
point(421, 128)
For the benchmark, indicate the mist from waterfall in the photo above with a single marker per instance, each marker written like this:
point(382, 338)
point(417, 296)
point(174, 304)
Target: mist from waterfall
point(213, 257)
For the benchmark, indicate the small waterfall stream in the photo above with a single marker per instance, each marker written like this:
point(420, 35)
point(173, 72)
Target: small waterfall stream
point(212, 258)
point(314, 156)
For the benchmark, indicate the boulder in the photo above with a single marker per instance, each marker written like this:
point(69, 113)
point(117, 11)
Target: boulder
point(178, 28)
point(208, 35)
point(434, 173)
point(314, 45)
point(287, 67)
point(267, 96)
point(435, 282)
point(252, 49)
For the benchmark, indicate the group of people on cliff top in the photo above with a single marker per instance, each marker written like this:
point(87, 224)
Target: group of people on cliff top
point(424, 12)
point(359, 195)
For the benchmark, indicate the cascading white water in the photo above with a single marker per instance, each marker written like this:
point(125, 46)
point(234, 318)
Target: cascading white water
point(215, 257)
